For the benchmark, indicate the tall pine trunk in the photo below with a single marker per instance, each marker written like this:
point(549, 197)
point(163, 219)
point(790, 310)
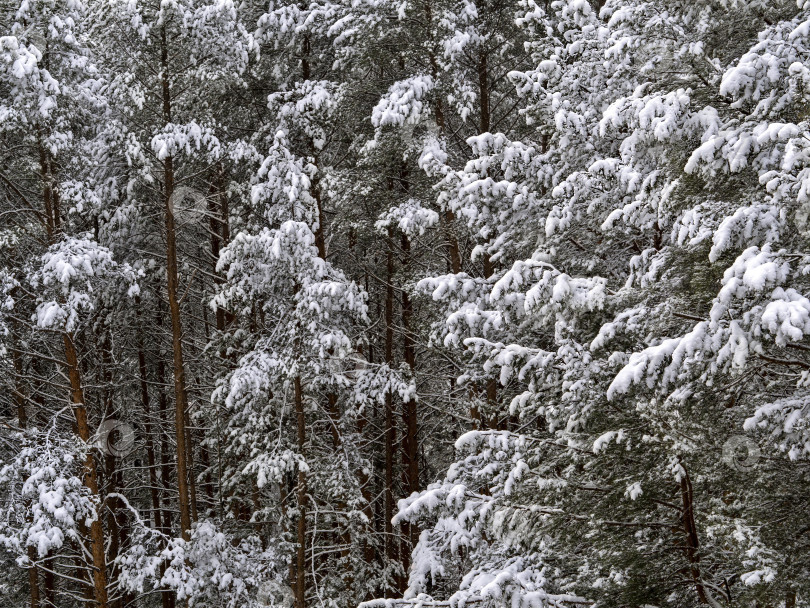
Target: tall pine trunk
point(99, 574)
point(53, 225)
point(180, 394)
point(390, 436)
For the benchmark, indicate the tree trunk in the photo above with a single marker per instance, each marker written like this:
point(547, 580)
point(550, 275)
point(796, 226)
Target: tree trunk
point(390, 429)
point(180, 394)
point(166, 596)
point(692, 544)
point(49, 582)
point(163, 418)
point(483, 92)
point(33, 579)
point(53, 224)
point(410, 446)
point(91, 476)
point(220, 235)
point(192, 480)
point(19, 393)
point(157, 520)
point(300, 557)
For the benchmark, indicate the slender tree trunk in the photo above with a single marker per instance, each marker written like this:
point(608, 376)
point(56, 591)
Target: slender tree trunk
point(492, 383)
point(150, 446)
point(410, 445)
point(166, 596)
point(33, 579)
point(220, 235)
point(300, 556)
point(483, 92)
point(163, 418)
point(49, 582)
point(52, 216)
point(366, 491)
point(108, 482)
point(390, 429)
point(91, 476)
point(19, 393)
point(180, 394)
point(53, 225)
point(300, 561)
point(692, 543)
point(192, 480)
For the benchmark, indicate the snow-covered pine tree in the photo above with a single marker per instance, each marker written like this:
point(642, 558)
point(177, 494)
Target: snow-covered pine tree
point(645, 329)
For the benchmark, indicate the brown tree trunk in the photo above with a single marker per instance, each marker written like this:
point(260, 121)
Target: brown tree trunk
point(180, 394)
point(390, 429)
point(300, 556)
point(366, 491)
point(33, 579)
point(19, 393)
point(150, 446)
point(192, 480)
point(49, 582)
point(52, 215)
point(163, 418)
point(53, 224)
point(91, 476)
point(483, 92)
point(166, 596)
point(692, 544)
point(452, 242)
point(410, 446)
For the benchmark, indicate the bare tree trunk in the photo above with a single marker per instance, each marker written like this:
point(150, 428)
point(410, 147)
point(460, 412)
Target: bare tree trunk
point(150, 446)
point(483, 92)
point(166, 596)
point(19, 393)
point(692, 544)
point(180, 394)
point(492, 384)
point(366, 491)
point(99, 574)
point(91, 475)
point(163, 416)
point(49, 582)
point(410, 445)
point(300, 557)
point(192, 480)
point(33, 579)
point(390, 429)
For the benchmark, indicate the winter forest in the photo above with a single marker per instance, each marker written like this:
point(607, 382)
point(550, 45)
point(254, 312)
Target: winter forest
point(404, 303)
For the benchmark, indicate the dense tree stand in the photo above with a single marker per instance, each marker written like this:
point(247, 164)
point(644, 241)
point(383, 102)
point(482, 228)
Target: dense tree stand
point(421, 304)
